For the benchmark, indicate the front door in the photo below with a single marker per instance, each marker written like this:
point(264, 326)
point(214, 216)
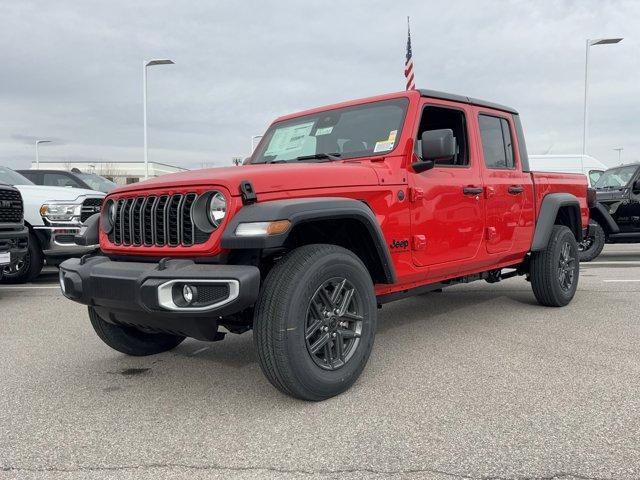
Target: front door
point(503, 180)
point(447, 205)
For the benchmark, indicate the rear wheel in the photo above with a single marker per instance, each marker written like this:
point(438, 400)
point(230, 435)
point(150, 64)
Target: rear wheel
point(27, 268)
point(592, 245)
point(554, 271)
point(130, 340)
point(315, 322)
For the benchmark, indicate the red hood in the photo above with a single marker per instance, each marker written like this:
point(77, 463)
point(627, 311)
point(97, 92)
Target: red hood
point(267, 178)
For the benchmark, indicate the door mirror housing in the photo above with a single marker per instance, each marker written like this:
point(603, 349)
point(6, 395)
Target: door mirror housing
point(438, 144)
point(435, 145)
point(636, 186)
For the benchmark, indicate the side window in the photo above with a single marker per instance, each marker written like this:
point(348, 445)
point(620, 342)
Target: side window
point(59, 180)
point(594, 175)
point(497, 145)
point(31, 176)
point(436, 118)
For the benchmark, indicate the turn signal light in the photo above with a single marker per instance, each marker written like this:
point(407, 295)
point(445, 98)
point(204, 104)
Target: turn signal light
point(254, 229)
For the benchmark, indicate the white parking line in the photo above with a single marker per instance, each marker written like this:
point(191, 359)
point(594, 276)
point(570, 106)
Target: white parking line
point(200, 350)
point(622, 262)
point(29, 287)
point(622, 280)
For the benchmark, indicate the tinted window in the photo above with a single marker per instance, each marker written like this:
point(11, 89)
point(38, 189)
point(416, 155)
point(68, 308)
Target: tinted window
point(436, 118)
point(59, 180)
point(96, 182)
point(351, 132)
point(497, 145)
point(594, 175)
point(10, 177)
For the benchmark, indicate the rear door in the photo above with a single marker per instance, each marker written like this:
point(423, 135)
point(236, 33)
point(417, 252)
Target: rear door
point(503, 180)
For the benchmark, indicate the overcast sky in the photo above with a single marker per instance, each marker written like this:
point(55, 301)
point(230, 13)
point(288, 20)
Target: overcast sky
point(71, 71)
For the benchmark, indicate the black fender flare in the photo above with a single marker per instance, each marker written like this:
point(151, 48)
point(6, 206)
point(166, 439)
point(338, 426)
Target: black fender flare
point(303, 210)
point(91, 235)
point(601, 215)
point(551, 204)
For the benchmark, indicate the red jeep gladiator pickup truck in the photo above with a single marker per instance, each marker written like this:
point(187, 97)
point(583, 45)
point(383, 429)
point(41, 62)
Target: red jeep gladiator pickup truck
point(339, 210)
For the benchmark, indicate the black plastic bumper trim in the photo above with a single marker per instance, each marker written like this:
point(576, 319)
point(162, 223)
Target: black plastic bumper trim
point(126, 292)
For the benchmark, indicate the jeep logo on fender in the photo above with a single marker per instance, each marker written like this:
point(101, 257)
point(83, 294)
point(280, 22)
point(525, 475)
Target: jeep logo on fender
point(400, 244)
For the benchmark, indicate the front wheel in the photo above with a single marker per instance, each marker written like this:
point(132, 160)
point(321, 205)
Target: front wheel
point(592, 245)
point(130, 340)
point(315, 322)
point(554, 271)
point(27, 268)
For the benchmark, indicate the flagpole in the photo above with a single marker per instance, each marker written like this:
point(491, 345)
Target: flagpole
point(408, 65)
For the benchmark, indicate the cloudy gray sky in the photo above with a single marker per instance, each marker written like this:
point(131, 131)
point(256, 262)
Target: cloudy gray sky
point(71, 70)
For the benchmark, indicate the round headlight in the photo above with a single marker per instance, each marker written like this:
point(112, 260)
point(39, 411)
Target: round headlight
point(108, 216)
point(217, 208)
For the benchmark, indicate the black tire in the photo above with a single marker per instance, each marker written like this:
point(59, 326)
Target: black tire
point(289, 303)
point(550, 287)
point(130, 340)
point(28, 268)
point(592, 245)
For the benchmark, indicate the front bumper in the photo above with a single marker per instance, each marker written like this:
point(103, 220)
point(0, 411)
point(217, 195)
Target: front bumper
point(15, 241)
point(59, 241)
point(143, 295)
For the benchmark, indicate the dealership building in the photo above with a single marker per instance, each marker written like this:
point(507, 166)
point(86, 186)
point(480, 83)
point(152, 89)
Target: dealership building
point(122, 173)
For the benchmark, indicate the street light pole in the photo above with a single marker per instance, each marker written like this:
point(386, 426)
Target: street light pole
point(253, 139)
point(38, 142)
point(590, 43)
point(146, 64)
point(619, 150)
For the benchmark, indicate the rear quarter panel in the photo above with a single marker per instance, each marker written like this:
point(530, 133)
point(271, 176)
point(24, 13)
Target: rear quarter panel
point(576, 184)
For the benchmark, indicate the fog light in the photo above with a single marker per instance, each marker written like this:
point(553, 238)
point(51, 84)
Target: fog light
point(187, 294)
point(61, 277)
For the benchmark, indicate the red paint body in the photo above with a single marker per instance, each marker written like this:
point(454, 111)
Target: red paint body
point(450, 234)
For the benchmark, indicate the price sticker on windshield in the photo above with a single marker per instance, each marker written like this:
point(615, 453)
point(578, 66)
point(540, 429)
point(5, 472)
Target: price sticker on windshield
point(386, 145)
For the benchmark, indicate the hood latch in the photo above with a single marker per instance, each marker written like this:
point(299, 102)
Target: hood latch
point(247, 192)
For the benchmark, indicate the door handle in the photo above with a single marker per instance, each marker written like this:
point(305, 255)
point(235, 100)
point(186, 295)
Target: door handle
point(515, 189)
point(472, 190)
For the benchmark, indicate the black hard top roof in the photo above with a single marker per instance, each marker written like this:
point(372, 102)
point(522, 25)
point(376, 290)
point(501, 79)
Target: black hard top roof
point(462, 99)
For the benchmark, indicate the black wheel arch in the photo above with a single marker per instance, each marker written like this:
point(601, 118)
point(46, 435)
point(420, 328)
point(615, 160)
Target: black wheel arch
point(600, 214)
point(340, 221)
point(557, 209)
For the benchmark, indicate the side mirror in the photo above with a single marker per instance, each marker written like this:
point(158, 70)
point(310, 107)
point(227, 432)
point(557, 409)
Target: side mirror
point(435, 144)
point(636, 186)
point(438, 144)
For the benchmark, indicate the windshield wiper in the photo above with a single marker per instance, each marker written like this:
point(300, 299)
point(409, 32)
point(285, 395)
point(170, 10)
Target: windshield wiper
point(320, 156)
point(315, 156)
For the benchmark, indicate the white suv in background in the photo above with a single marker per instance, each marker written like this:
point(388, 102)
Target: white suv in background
point(54, 215)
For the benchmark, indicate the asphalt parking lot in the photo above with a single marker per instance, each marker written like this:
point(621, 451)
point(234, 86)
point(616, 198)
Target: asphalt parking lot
point(476, 382)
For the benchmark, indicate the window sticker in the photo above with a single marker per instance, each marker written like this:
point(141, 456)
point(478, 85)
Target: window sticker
point(287, 139)
point(324, 131)
point(383, 146)
point(386, 145)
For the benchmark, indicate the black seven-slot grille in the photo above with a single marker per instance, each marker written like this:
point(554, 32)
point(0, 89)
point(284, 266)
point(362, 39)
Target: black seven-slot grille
point(11, 208)
point(156, 220)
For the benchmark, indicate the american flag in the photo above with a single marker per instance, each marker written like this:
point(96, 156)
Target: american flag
point(408, 66)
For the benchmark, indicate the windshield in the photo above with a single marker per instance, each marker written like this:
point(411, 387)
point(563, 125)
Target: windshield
point(351, 132)
point(616, 177)
point(96, 182)
point(10, 177)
